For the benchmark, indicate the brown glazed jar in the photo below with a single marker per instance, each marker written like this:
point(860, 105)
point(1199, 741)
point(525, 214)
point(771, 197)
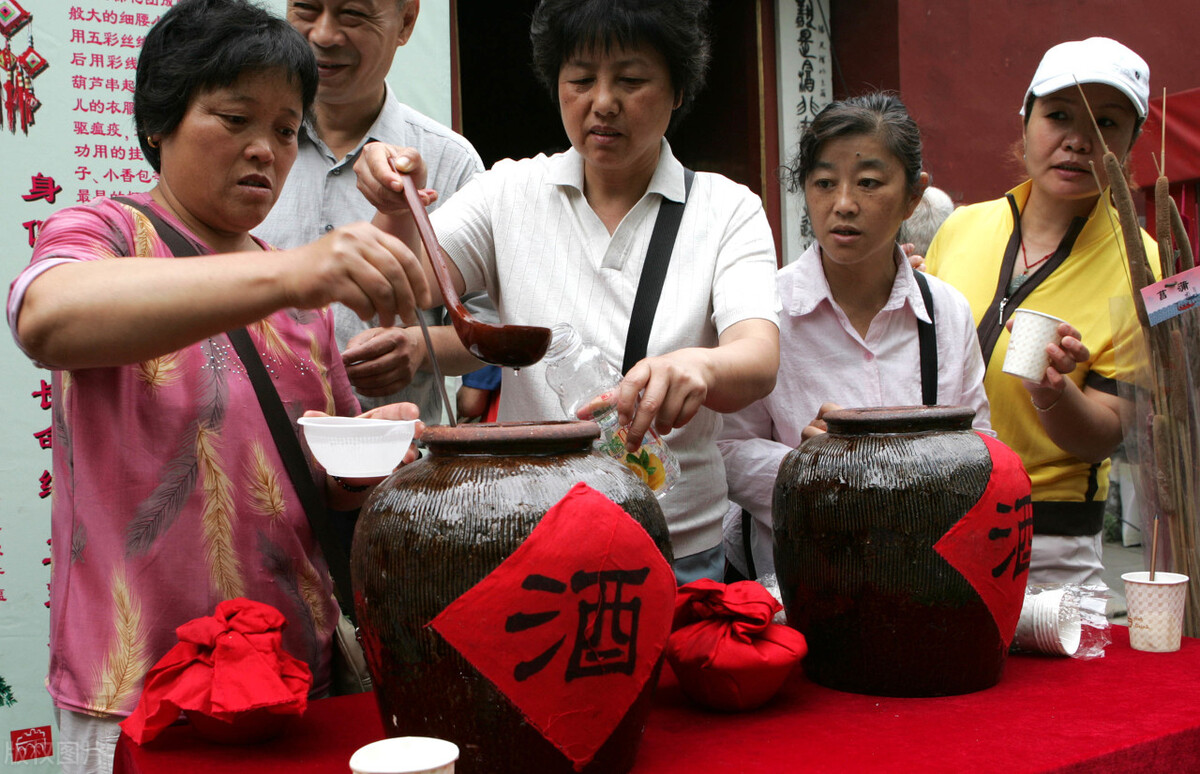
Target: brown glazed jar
point(432, 531)
point(857, 511)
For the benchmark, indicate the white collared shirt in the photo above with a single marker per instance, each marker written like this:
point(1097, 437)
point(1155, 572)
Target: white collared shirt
point(321, 192)
point(524, 232)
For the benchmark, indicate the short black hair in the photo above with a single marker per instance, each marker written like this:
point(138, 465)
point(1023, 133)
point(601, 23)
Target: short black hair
point(205, 44)
point(675, 28)
point(879, 114)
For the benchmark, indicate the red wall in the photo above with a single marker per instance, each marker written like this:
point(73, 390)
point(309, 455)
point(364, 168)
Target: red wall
point(962, 67)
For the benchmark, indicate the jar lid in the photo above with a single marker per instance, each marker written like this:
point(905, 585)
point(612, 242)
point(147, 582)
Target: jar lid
point(899, 419)
point(512, 437)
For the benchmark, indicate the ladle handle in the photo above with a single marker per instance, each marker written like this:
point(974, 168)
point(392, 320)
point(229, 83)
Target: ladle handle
point(443, 277)
point(437, 371)
point(449, 297)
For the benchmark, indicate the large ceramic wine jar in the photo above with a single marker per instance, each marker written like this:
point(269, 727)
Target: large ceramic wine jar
point(858, 512)
point(436, 528)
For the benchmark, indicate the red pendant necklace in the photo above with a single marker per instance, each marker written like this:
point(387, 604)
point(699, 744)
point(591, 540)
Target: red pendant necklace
point(1025, 259)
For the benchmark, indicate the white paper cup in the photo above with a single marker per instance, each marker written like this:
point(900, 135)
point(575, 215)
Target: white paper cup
point(405, 755)
point(1050, 622)
point(357, 447)
point(1031, 332)
point(1155, 610)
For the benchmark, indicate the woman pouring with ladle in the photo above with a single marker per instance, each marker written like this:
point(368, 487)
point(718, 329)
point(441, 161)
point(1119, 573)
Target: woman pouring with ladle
point(563, 238)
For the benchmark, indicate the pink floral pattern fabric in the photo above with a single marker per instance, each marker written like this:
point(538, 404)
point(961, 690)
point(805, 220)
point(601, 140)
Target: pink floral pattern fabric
point(169, 495)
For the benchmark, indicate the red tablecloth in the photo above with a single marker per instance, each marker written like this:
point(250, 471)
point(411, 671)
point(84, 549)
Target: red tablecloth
point(1126, 712)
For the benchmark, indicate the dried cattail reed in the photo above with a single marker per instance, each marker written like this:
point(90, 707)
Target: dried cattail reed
point(1135, 251)
point(1170, 487)
point(1187, 259)
point(1162, 224)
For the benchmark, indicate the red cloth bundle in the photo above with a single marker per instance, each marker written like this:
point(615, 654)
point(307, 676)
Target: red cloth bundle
point(724, 649)
point(225, 664)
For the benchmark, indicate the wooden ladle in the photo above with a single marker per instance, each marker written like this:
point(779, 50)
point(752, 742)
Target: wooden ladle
point(513, 346)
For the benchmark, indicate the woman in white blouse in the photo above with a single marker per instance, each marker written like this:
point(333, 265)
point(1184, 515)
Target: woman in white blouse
point(851, 310)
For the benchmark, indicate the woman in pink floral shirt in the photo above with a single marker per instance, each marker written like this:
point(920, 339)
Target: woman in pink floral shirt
point(169, 494)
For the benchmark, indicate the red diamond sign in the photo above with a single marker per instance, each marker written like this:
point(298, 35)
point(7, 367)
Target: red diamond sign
point(571, 625)
point(991, 544)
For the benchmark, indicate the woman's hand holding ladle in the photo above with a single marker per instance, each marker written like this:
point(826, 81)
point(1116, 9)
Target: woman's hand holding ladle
point(379, 169)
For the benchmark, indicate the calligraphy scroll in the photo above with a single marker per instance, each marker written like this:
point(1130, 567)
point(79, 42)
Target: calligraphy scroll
point(805, 88)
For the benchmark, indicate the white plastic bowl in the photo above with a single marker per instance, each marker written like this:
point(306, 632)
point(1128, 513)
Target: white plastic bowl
point(358, 448)
point(405, 755)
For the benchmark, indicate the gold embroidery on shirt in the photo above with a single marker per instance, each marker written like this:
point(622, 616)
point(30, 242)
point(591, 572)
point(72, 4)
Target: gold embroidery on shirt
point(314, 351)
point(217, 517)
point(266, 495)
point(312, 590)
point(158, 372)
point(127, 660)
point(272, 343)
point(145, 238)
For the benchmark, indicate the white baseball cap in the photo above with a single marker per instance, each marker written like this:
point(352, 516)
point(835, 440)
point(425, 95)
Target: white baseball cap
point(1095, 60)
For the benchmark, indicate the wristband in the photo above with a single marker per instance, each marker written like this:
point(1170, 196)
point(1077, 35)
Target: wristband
point(1053, 403)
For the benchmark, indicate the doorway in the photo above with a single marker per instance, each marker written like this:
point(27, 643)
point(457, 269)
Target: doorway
point(732, 129)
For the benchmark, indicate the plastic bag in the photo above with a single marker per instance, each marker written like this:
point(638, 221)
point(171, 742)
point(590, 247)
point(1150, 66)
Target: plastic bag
point(1065, 619)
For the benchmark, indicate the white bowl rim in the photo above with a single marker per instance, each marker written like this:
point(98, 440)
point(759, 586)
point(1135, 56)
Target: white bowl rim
point(430, 752)
point(1161, 578)
point(352, 421)
point(1023, 310)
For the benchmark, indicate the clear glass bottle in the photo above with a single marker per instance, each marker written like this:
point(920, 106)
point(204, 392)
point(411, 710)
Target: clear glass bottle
point(586, 384)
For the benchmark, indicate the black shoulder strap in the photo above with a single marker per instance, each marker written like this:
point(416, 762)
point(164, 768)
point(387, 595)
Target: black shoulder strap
point(297, 468)
point(180, 245)
point(1003, 305)
point(280, 425)
point(654, 271)
point(927, 337)
point(748, 544)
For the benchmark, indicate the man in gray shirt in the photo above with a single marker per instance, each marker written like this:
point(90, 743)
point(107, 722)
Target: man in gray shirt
point(354, 42)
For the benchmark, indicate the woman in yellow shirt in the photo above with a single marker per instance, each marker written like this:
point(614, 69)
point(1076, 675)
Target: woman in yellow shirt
point(1049, 245)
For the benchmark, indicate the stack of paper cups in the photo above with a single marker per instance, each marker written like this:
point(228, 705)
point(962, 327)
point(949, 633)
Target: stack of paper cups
point(1050, 623)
